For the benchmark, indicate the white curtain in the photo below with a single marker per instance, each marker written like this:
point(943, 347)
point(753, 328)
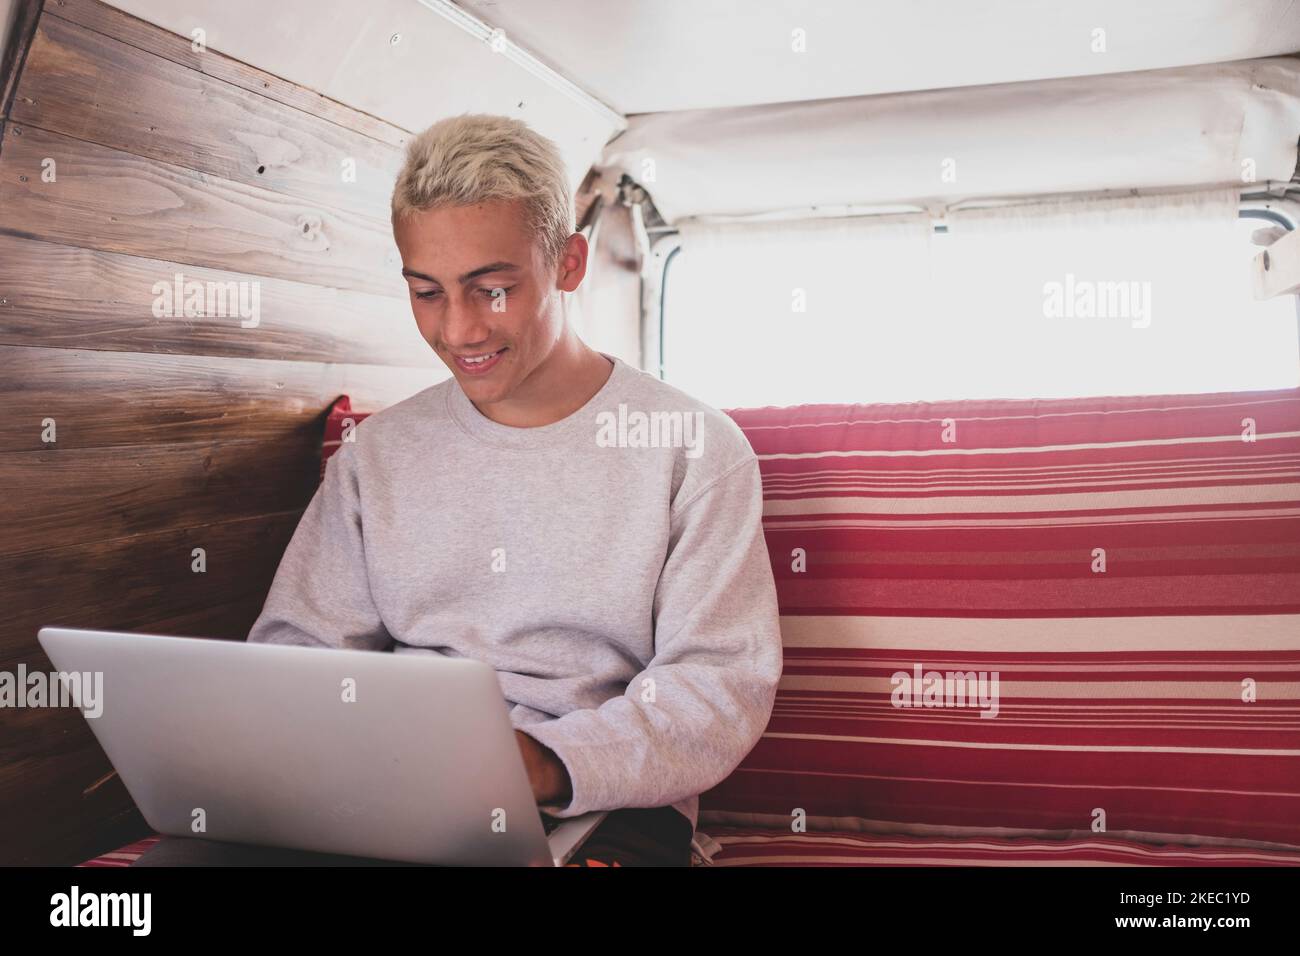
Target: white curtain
point(1123, 296)
point(793, 312)
point(1183, 128)
point(1025, 277)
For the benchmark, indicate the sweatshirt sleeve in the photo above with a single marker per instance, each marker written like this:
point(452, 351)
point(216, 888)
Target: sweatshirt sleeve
point(702, 703)
point(321, 592)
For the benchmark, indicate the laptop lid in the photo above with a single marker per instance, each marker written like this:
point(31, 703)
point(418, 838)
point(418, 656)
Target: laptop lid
point(403, 757)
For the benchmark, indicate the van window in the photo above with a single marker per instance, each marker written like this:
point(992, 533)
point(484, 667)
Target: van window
point(1114, 296)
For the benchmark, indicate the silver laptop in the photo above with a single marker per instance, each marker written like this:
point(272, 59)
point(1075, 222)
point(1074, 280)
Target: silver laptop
point(402, 757)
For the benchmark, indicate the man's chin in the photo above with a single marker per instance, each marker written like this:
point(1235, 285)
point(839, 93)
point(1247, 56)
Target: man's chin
point(483, 390)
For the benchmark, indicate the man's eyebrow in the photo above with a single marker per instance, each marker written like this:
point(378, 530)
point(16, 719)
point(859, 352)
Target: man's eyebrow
point(500, 266)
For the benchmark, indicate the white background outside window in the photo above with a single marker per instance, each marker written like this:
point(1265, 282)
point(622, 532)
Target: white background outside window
point(895, 312)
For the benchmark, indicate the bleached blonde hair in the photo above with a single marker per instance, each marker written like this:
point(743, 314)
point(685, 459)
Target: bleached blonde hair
point(475, 157)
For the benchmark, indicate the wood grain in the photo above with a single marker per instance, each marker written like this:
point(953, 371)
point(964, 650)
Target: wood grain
point(145, 36)
point(96, 88)
point(130, 583)
point(84, 808)
point(138, 489)
point(67, 297)
point(102, 399)
point(172, 431)
point(115, 201)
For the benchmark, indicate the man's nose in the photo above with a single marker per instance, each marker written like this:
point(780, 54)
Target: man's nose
point(463, 326)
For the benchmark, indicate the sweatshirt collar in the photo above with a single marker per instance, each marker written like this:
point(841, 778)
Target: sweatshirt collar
point(581, 424)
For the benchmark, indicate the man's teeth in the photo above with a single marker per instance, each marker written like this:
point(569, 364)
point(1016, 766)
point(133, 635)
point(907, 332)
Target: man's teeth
point(481, 359)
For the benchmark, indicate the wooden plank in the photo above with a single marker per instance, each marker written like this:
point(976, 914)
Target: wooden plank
point(114, 201)
point(145, 36)
point(232, 621)
point(54, 501)
point(51, 812)
point(106, 399)
point(57, 798)
point(28, 731)
point(59, 801)
point(106, 300)
point(92, 87)
point(130, 583)
point(159, 451)
point(14, 54)
point(92, 837)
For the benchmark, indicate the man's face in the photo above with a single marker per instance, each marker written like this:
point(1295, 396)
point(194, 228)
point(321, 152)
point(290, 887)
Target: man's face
point(479, 287)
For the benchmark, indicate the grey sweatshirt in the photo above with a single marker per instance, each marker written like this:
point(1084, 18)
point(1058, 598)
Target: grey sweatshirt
point(610, 567)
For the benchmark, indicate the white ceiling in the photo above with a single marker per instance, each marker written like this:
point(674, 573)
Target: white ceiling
point(693, 73)
point(643, 56)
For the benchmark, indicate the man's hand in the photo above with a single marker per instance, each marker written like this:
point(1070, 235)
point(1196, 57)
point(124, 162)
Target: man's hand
point(546, 772)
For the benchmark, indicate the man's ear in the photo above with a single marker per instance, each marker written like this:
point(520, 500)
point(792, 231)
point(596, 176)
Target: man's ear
point(572, 267)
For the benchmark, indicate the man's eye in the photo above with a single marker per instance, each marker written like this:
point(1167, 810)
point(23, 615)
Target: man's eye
point(492, 293)
point(427, 295)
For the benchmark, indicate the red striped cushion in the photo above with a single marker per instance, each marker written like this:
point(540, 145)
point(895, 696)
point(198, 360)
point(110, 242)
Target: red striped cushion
point(1120, 690)
point(124, 856)
point(338, 425)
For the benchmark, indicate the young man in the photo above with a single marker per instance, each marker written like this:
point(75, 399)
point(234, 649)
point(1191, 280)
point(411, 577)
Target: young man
point(591, 532)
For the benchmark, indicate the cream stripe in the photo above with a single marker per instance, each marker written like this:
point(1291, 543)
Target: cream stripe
point(1018, 450)
point(815, 840)
point(877, 711)
point(1055, 748)
point(1189, 468)
point(1069, 719)
point(1236, 494)
point(1080, 690)
point(790, 426)
point(858, 860)
point(1018, 710)
point(892, 829)
point(1059, 725)
point(893, 488)
point(1191, 465)
point(1214, 632)
point(852, 522)
point(1067, 667)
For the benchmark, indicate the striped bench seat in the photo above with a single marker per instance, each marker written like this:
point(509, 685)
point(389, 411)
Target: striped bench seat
point(1120, 576)
point(756, 846)
point(760, 846)
point(1127, 568)
point(126, 855)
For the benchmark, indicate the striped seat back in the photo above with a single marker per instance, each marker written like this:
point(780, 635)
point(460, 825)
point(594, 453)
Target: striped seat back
point(1040, 618)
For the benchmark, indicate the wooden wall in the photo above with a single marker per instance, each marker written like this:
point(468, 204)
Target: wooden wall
point(127, 157)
